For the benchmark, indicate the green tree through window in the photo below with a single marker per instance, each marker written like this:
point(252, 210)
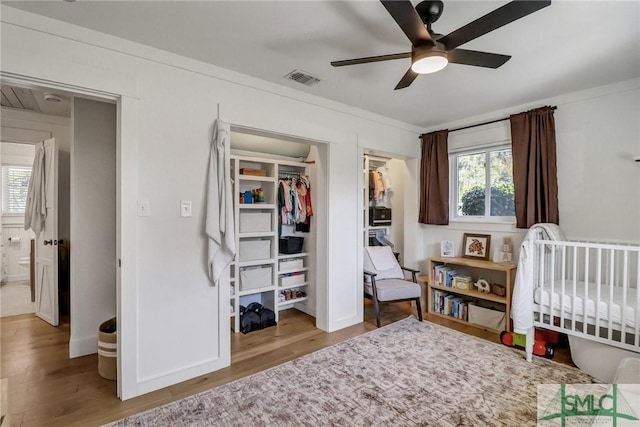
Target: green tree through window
point(485, 173)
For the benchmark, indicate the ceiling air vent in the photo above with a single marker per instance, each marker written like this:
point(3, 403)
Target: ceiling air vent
point(302, 77)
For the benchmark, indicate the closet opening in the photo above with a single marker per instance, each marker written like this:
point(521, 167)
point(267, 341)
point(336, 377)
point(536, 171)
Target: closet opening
point(279, 188)
point(383, 201)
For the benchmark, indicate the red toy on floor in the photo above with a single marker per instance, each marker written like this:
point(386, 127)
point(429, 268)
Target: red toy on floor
point(540, 347)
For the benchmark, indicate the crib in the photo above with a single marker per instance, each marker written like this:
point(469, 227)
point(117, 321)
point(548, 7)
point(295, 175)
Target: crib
point(588, 291)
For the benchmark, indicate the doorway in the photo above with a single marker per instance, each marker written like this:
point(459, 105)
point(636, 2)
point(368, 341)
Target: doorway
point(85, 132)
point(17, 295)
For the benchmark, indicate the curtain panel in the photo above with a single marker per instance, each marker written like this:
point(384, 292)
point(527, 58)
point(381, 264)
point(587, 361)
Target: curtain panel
point(434, 179)
point(533, 139)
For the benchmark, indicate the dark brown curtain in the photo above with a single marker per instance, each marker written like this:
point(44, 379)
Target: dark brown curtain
point(533, 139)
point(434, 179)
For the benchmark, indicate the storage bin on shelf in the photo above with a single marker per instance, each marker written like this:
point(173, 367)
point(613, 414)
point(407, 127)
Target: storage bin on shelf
point(292, 279)
point(487, 317)
point(290, 244)
point(255, 277)
point(254, 249)
point(255, 222)
point(291, 264)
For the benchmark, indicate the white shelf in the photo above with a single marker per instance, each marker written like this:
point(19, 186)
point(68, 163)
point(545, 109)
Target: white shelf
point(256, 206)
point(267, 261)
point(256, 178)
point(299, 285)
point(295, 270)
point(285, 304)
point(256, 291)
point(299, 255)
point(257, 234)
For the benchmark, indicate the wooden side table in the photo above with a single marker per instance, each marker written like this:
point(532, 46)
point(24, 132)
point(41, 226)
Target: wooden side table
point(423, 280)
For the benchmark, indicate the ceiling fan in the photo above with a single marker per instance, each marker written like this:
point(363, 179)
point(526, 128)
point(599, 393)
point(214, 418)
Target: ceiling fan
point(431, 52)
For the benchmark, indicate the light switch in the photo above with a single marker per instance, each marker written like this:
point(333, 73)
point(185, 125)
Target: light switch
point(143, 208)
point(185, 208)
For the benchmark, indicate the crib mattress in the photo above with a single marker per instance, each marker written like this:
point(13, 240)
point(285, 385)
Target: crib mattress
point(590, 292)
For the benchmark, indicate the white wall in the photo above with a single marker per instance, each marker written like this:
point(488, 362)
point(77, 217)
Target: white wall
point(170, 328)
point(597, 134)
point(93, 222)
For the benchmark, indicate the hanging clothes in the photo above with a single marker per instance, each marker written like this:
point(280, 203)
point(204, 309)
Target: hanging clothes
point(220, 226)
point(376, 186)
point(385, 174)
point(35, 212)
point(294, 202)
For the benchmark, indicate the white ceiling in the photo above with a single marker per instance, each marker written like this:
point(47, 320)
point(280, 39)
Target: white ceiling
point(568, 46)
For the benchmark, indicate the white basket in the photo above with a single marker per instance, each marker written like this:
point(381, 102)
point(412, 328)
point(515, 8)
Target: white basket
point(255, 277)
point(291, 264)
point(296, 279)
point(255, 222)
point(255, 249)
point(493, 319)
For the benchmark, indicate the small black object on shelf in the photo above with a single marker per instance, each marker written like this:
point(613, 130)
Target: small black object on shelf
point(290, 245)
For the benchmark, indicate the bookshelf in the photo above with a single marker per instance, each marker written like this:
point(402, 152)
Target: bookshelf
point(442, 296)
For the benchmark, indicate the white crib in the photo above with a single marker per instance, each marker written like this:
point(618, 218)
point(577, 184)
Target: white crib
point(588, 291)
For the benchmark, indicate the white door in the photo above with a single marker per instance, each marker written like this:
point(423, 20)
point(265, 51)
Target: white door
point(46, 244)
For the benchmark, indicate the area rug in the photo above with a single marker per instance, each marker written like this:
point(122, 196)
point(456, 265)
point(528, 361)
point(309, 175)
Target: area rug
point(409, 373)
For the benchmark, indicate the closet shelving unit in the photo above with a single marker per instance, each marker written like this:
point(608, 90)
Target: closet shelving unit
point(372, 163)
point(263, 234)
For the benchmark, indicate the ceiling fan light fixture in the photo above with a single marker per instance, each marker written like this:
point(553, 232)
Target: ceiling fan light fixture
point(429, 61)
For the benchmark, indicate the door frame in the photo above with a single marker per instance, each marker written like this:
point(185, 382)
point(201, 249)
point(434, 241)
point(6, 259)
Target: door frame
point(126, 220)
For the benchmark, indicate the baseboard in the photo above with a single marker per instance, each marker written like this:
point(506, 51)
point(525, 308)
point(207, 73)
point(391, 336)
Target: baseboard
point(16, 278)
point(175, 377)
point(83, 346)
point(311, 311)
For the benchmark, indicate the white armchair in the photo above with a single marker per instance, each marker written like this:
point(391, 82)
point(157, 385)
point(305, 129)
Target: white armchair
point(385, 280)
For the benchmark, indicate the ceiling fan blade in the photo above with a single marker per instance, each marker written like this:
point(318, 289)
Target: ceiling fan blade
point(409, 21)
point(478, 59)
point(493, 20)
point(407, 79)
point(371, 59)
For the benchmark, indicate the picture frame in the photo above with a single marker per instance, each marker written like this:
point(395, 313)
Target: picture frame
point(447, 249)
point(476, 246)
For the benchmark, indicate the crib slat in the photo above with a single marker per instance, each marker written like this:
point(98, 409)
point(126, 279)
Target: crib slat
point(575, 285)
point(541, 284)
point(554, 258)
point(625, 285)
point(637, 306)
point(612, 258)
point(563, 277)
point(586, 290)
point(598, 291)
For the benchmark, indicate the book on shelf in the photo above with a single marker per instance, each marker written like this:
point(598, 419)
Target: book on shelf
point(462, 281)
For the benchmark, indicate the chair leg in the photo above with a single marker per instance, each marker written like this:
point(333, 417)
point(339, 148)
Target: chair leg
point(419, 309)
point(376, 308)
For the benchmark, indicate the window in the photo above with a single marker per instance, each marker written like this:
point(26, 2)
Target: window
point(482, 184)
point(15, 184)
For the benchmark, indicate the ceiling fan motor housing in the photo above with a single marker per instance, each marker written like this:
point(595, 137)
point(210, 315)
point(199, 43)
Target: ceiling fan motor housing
point(420, 52)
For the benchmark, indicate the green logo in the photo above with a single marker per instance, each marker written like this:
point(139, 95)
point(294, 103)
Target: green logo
point(582, 404)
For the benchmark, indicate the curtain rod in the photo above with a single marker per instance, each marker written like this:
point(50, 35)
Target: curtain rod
point(555, 107)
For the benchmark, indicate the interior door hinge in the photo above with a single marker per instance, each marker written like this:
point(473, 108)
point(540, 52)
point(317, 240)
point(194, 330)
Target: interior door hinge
point(119, 262)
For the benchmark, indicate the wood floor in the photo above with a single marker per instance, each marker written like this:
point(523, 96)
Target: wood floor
point(46, 388)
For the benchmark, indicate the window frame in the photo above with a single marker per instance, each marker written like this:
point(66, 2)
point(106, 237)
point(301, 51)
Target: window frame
point(3, 194)
point(453, 185)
